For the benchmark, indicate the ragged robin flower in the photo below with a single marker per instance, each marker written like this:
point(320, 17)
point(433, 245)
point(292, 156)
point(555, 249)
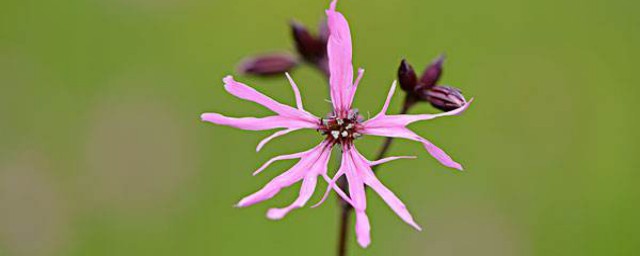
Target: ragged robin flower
point(339, 129)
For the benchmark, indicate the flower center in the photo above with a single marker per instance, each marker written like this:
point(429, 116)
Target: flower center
point(341, 129)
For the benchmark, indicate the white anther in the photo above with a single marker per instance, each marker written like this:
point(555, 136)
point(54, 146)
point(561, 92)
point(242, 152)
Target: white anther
point(357, 135)
point(339, 121)
point(345, 134)
point(335, 134)
point(349, 126)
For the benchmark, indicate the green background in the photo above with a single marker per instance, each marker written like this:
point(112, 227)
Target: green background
point(102, 151)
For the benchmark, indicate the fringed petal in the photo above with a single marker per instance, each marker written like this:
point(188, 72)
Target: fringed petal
point(339, 52)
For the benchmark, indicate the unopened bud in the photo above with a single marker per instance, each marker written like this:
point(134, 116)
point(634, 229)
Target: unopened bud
point(432, 73)
point(407, 77)
point(445, 98)
point(268, 64)
point(310, 48)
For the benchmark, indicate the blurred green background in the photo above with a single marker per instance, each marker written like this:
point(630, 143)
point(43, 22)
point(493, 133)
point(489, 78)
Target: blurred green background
point(102, 151)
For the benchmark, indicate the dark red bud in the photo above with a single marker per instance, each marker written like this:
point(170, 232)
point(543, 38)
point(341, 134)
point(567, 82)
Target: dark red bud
point(310, 47)
point(267, 64)
point(432, 73)
point(407, 77)
point(445, 98)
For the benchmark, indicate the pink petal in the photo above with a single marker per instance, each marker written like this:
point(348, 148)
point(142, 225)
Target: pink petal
point(395, 126)
point(273, 136)
point(296, 91)
point(358, 172)
point(272, 188)
point(363, 228)
point(306, 191)
point(388, 159)
point(356, 184)
point(358, 195)
point(264, 123)
point(279, 158)
point(313, 161)
point(382, 120)
point(339, 52)
point(402, 132)
point(383, 111)
point(307, 188)
point(440, 155)
point(352, 91)
point(331, 185)
point(245, 92)
point(394, 203)
point(257, 124)
point(370, 179)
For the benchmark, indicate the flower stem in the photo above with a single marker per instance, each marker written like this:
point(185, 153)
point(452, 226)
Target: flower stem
point(345, 208)
point(345, 213)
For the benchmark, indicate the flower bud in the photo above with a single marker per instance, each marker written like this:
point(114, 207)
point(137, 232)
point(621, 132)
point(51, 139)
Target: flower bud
point(312, 49)
point(407, 77)
point(445, 98)
point(267, 64)
point(432, 73)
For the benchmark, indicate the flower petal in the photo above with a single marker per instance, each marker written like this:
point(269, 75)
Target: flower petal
point(257, 124)
point(245, 92)
point(339, 53)
point(279, 158)
point(308, 186)
point(403, 132)
point(388, 159)
point(391, 199)
point(357, 194)
point(313, 161)
point(352, 91)
point(296, 91)
point(288, 117)
point(331, 185)
point(273, 136)
point(372, 181)
point(358, 171)
point(363, 229)
point(306, 191)
point(383, 120)
point(395, 126)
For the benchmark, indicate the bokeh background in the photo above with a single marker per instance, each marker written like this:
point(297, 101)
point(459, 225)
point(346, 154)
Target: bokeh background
point(102, 151)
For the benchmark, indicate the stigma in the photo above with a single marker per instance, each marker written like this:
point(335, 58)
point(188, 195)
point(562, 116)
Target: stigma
point(341, 130)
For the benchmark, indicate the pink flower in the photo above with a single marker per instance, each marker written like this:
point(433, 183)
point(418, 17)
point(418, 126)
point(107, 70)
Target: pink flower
point(341, 127)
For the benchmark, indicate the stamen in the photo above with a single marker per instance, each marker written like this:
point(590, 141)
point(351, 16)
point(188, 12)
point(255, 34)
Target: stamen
point(341, 130)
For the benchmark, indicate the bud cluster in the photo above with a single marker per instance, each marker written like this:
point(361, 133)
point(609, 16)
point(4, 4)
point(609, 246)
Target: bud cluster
point(268, 64)
point(311, 49)
point(445, 98)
